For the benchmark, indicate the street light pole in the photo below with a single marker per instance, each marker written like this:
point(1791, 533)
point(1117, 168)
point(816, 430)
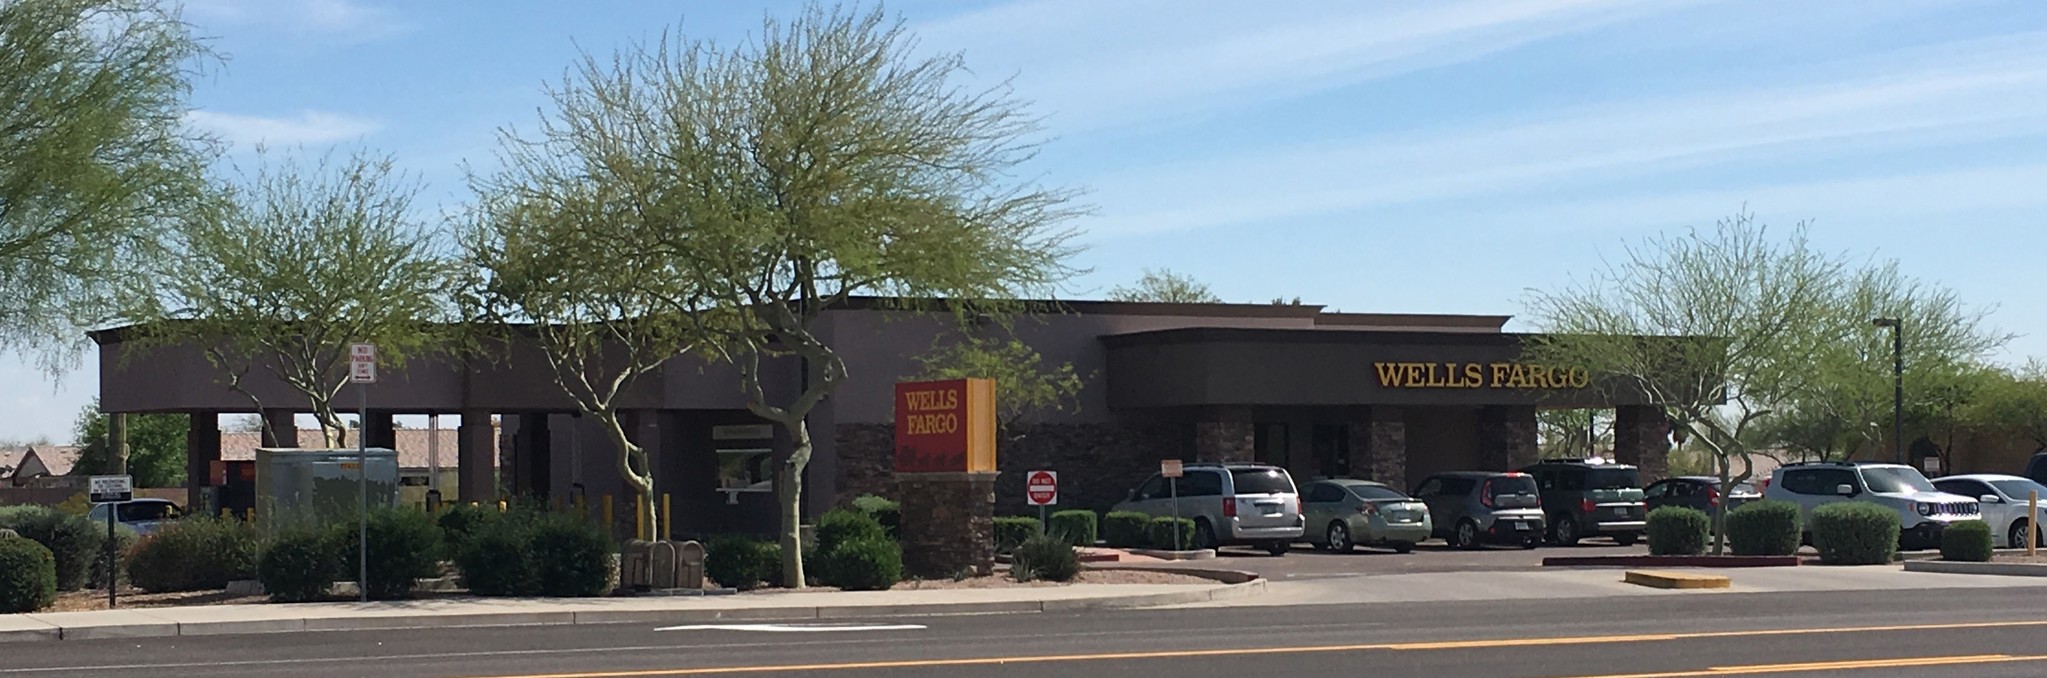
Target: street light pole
point(1897, 385)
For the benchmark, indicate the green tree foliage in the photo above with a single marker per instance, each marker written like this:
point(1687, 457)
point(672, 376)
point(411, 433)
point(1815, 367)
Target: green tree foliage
point(295, 264)
point(1025, 386)
point(95, 159)
point(1165, 286)
point(2012, 401)
point(156, 446)
point(1572, 433)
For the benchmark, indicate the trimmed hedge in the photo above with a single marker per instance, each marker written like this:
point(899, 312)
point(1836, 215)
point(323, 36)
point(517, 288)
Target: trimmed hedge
point(125, 540)
point(73, 540)
point(573, 557)
point(1678, 531)
point(404, 547)
point(1855, 533)
point(494, 560)
point(742, 563)
point(1967, 541)
point(535, 552)
point(1127, 529)
point(839, 526)
point(883, 510)
point(200, 553)
point(299, 566)
point(461, 522)
point(28, 575)
point(1161, 532)
point(1045, 557)
point(1764, 528)
point(1012, 531)
point(864, 565)
point(1076, 527)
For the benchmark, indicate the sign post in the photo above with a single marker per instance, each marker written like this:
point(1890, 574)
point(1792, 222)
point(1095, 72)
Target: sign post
point(362, 370)
point(1041, 489)
point(1171, 469)
point(112, 491)
point(2033, 519)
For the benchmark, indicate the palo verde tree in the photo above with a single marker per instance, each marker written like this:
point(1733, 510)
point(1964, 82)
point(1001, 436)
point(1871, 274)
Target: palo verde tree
point(823, 159)
point(1165, 286)
point(1025, 386)
point(558, 258)
point(1717, 326)
point(95, 159)
point(2014, 402)
point(291, 266)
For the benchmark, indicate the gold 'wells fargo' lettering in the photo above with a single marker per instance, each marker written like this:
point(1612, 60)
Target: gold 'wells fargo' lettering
point(1480, 375)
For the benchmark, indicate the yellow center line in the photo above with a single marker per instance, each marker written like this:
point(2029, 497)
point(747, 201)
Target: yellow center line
point(1374, 647)
point(1755, 669)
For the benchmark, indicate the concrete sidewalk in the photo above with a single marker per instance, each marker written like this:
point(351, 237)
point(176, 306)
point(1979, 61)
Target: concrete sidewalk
point(441, 613)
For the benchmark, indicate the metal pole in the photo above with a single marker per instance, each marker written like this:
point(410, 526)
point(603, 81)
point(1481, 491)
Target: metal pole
point(2032, 522)
point(113, 578)
point(1174, 484)
point(362, 487)
point(1898, 390)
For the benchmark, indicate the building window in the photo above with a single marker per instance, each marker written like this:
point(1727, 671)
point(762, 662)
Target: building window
point(1332, 450)
point(1269, 444)
point(746, 470)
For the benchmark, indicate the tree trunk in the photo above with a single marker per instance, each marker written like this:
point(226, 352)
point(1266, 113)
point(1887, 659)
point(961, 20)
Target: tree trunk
point(791, 495)
point(634, 468)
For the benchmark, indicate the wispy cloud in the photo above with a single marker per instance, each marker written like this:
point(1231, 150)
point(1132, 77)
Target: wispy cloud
point(307, 127)
point(1981, 90)
point(1128, 62)
point(347, 20)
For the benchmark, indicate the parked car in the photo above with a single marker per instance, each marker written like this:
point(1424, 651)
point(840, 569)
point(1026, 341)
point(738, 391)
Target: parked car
point(1590, 498)
point(2003, 499)
point(1697, 492)
point(1922, 510)
point(144, 516)
point(1469, 509)
point(2036, 467)
point(1231, 504)
point(1342, 513)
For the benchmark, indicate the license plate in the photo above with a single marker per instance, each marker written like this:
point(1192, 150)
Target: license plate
point(1622, 511)
point(1269, 510)
point(1403, 517)
point(1520, 525)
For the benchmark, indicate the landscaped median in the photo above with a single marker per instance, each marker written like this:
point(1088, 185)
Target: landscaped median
point(453, 612)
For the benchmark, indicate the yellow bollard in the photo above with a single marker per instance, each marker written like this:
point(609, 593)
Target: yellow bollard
point(667, 522)
point(503, 506)
point(582, 507)
point(639, 516)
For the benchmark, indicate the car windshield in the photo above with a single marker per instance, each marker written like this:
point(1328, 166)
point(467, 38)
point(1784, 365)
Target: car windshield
point(1375, 492)
point(1895, 479)
point(1261, 481)
point(1506, 485)
point(2019, 488)
point(1612, 479)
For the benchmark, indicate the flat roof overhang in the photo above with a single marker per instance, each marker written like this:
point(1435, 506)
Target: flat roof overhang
point(1323, 367)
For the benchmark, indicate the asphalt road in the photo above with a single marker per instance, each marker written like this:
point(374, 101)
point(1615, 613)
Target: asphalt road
point(1888, 633)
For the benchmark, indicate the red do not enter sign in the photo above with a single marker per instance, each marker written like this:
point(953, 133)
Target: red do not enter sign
point(1041, 488)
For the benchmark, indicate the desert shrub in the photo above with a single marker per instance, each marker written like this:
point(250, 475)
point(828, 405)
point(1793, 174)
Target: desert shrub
point(1013, 530)
point(494, 560)
point(839, 526)
point(28, 575)
point(404, 547)
point(1855, 533)
point(742, 562)
point(864, 565)
point(883, 510)
point(1126, 529)
point(1076, 527)
point(72, 539)
point(460, 522)
point(1678, 531)
point(1764, 528)
point(1967, 541)
point(299, 566)
point(196, 554)
point(1045, 557)
point(125, 540)
point(572, 557)
point(1160, 534)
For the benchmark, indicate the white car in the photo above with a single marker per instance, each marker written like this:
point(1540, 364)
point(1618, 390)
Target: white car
point(2004, 503)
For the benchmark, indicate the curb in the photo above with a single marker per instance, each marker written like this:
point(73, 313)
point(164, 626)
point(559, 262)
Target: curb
point(22, 629)
point(1671, 561)
point(2001, 569)
point(1675, 580)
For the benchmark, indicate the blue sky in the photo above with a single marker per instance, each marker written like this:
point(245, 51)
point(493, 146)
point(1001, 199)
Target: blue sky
point(1439, 156)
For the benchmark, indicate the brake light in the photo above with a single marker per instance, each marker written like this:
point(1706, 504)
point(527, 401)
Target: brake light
point(1485, 494)
point(1229, 507)
point(1368, 509)
point(1713, 496)
point(1587, 505)
point(1763, 486)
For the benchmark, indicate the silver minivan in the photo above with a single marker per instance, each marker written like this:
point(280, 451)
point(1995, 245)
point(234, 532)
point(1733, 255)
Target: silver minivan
point(1230, 503)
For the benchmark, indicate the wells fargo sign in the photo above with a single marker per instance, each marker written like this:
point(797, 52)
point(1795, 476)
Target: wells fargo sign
point(945, 426)
point(1480, 375)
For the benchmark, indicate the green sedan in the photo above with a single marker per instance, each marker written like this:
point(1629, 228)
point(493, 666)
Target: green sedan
point(1343, 513)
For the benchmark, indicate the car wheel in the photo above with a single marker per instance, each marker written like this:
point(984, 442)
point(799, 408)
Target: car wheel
point(1339, 537)
point(2017, 536)
point(1204, 535)
point(1567, 532)
point(1624, 539)
point(1403, 547)
point(1279, 548)
point(1466, 536)
point(1531, 542)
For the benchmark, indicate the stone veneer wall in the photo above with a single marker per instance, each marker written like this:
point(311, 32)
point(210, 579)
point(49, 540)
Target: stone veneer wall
point(1098, 464)
point(1378, 448)
point(1225, 441)
point(1506, 438)
point(947, 527)
point(1641, 436)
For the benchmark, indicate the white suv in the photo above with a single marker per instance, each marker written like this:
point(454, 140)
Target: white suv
point(1922, 510)
point(1231, 503)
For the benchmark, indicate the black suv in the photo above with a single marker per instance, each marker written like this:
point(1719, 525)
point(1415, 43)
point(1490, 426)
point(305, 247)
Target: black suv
point(1590, 497)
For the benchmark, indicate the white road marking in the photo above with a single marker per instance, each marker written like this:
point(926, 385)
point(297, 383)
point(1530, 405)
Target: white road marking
point(795, 628)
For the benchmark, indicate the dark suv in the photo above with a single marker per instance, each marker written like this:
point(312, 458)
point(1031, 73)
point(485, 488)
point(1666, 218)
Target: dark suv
point(1590, 497)
point(1472, 508)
